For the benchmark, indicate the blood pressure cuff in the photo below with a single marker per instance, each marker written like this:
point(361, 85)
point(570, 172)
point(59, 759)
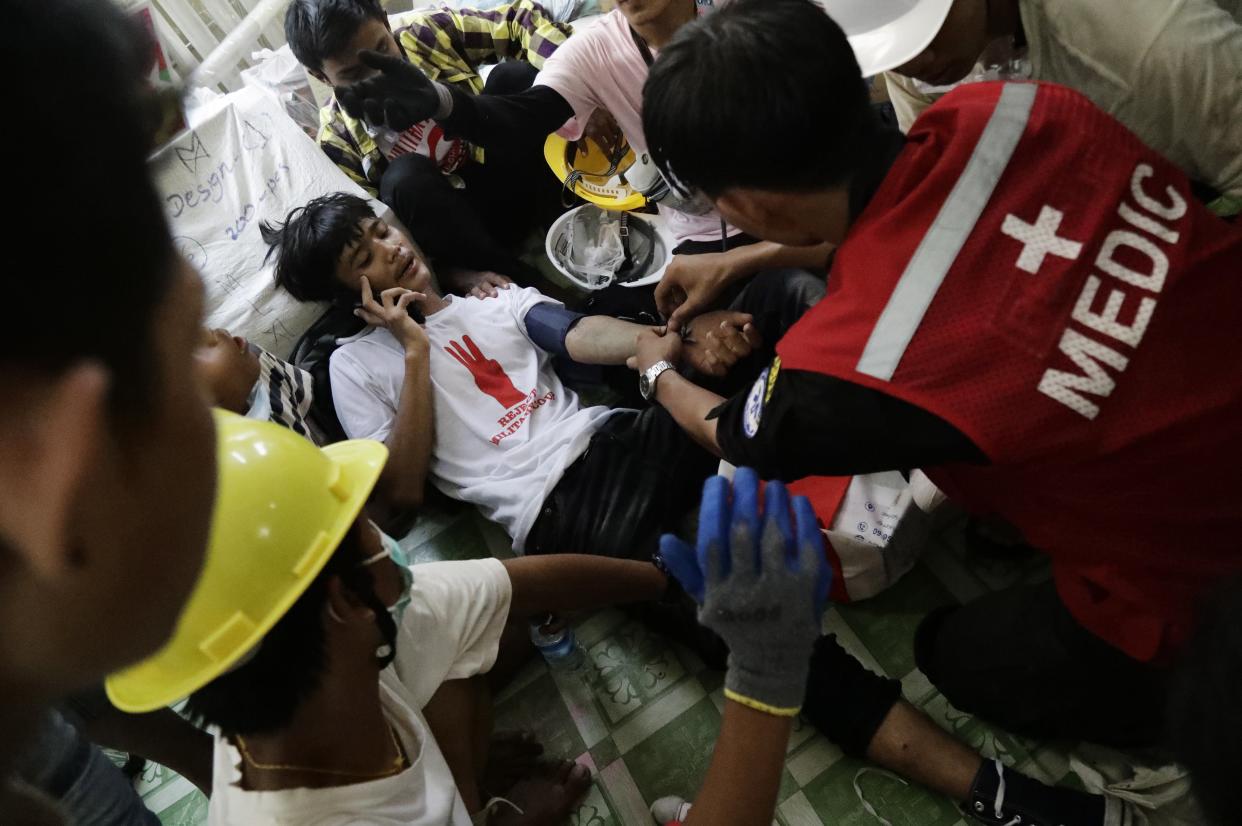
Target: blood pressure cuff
point(547, 324)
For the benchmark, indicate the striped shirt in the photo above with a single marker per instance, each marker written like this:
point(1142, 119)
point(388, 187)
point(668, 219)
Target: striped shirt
point(449, 46)
point(283, 395)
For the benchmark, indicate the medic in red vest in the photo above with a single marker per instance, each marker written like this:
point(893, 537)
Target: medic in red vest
point(1078, 327)
point(1030, 305)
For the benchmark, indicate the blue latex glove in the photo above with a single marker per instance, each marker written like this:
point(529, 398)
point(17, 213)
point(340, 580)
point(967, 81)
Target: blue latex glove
point(761, 576)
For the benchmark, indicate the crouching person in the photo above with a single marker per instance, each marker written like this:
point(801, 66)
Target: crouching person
point(312, 649)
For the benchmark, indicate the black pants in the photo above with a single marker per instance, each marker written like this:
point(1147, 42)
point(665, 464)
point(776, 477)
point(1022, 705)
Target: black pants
point(641, 473)
point(1017, 658)
point(504, 199)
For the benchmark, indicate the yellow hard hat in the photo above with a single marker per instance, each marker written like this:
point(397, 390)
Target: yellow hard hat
point(587, 169)
point(282, 508)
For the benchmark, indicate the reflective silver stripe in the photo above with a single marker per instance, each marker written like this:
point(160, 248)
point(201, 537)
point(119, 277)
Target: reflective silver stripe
point(944, 239)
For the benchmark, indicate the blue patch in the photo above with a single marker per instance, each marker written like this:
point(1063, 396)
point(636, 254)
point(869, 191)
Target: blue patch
point(753, 412)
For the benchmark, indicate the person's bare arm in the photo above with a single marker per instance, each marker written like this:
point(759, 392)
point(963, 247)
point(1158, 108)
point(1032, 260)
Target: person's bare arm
point(686, 402)
point(718, 341)
point(689, 405)
point(760, 574)
point(571, 582)
point(745, 773)
point(404, 478)
point(601, 339)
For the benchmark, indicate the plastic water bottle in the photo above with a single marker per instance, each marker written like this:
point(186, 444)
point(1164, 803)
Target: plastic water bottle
point(559, 647)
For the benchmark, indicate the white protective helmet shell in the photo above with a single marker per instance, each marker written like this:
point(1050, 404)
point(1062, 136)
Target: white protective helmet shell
point(887, 33)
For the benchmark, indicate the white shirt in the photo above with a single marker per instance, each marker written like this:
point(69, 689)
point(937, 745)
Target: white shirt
point(450, 631)
point(452, 626)
point(599, 67)
point(506, 428)
point(1170, 70)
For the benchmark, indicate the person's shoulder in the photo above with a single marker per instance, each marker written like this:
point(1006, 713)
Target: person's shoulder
point(435, 578)
point(594, 33)
point(332, 119)
point(361, 348)
point(420, 24)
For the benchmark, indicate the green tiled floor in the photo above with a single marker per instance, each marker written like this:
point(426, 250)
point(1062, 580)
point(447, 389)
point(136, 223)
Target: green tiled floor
point(645, 715)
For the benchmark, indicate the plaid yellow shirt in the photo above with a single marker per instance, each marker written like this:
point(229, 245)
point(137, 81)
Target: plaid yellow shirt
point(449, 45)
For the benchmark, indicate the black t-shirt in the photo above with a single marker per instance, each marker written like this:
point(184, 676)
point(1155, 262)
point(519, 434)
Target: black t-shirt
point(799, 423)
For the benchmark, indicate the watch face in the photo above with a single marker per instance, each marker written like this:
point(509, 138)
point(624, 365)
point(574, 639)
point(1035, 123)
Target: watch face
point(644, 386)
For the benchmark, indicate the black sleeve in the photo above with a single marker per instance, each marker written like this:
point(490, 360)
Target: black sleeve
point(807, 424)
point(484, 119)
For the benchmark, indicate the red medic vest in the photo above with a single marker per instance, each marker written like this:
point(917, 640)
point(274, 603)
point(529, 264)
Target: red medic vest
point(1033, 274)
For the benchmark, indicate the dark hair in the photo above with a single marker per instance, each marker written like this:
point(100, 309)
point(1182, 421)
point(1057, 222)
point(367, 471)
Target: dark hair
point(92, 295)
point(762, 93)
point(318, 29)
point(1205, 709)
point(309, 244)
point(264, 694)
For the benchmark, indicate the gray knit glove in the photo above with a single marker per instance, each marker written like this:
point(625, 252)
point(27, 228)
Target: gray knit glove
point(765, 598)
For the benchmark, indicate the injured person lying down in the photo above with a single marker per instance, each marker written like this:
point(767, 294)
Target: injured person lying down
point(243, 378)
point(464, 391)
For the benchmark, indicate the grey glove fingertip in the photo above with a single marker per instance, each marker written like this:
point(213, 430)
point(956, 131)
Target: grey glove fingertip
point(744, 553)
point(718, 566)
point(774, 549)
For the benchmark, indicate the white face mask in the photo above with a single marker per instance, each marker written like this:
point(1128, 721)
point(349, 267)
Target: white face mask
point(394, 551)
point(260, 402)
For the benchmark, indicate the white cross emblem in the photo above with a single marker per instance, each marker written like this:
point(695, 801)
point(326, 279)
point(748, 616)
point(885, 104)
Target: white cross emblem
point(1040, 239)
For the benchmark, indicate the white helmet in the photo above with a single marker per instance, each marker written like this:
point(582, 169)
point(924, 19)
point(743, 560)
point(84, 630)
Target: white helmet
point(887, 33)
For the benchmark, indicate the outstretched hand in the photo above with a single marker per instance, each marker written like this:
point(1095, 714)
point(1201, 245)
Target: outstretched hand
point(692, 284)
point(761, 576)
point(398, 97)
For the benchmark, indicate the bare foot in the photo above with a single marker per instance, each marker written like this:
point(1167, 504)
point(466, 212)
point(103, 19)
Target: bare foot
point(546, 799)
point(511, 756)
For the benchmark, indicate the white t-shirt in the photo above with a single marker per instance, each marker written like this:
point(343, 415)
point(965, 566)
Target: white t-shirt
point(506, 428)
point(451, 630)
point(599, 67)
point(452, 626)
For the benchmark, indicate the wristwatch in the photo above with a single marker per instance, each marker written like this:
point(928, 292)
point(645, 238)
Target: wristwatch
point(647, 381)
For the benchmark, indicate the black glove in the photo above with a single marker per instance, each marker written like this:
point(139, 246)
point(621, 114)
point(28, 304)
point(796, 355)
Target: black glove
point(398, 97)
